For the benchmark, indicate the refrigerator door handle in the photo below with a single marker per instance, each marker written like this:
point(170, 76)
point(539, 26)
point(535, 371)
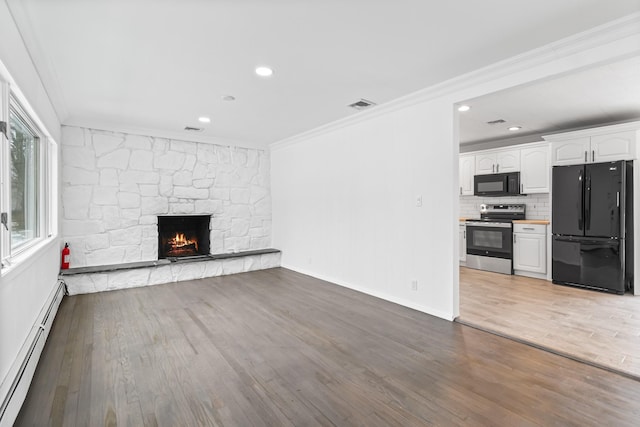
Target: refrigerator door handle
point(618, 199)
point(587, 204)
point(580, 217)
point(585, 157)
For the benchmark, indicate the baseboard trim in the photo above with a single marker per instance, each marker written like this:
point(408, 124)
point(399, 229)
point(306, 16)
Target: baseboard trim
point(17, 382)
point(384, 296)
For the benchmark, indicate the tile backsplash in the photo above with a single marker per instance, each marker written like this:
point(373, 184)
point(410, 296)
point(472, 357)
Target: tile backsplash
point(538, 205)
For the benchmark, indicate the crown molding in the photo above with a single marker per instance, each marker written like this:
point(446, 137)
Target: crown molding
point(625, 31)
point(600, 130)
point(158, 133)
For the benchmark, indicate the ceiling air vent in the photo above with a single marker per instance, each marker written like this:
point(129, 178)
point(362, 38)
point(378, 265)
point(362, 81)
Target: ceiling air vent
point(362, 104)
point(496, 122)
point(193, 129)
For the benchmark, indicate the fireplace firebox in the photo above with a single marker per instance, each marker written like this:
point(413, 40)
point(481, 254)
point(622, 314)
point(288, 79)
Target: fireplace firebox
point(183, 236)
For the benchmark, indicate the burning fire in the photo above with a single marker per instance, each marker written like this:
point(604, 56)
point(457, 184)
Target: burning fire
point(180, 241)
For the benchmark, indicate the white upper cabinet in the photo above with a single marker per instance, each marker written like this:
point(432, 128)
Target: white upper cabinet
point(617, 146)
point(508, 161)
point(571, 152)
point(497, 161)
point(603, 144)
point(467, 171)
point(485, 163)
point(535, 169)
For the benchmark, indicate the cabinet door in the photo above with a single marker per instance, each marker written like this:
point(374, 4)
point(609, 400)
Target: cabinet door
point(508, 161)
point(485, 163)
point(572, 152)
point(530, 252)
point(467, 170)
point(463, 242)
point(617, 146)
point(534, 170)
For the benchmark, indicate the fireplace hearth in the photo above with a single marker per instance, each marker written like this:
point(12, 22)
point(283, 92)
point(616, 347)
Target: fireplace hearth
point(183, 236)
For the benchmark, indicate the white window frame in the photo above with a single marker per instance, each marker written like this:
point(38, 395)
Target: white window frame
point(11, 98)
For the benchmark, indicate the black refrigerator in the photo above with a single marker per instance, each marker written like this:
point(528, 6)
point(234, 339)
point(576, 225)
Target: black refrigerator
point(592, 226)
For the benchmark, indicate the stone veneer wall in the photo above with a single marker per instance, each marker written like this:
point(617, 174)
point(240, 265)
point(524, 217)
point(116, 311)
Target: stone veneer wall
point(114, 185)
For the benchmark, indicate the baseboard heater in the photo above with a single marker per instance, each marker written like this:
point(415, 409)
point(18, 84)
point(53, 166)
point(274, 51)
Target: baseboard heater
point(22, 371)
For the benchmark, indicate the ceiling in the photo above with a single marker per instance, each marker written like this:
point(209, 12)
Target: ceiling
point(599, 95)
point(157, 65)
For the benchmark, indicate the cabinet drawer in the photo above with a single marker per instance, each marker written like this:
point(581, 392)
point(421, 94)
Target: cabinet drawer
point(530, 228)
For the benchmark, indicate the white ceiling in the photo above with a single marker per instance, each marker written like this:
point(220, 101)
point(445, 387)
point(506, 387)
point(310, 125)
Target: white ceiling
point(599, 95)
point(158, 65)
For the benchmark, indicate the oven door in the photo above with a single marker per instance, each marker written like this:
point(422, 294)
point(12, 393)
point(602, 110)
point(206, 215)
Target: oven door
point(490, 239)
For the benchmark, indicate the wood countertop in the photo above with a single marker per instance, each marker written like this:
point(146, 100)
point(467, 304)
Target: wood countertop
point(532, 221)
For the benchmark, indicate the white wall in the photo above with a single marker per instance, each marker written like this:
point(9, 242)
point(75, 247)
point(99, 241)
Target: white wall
point(344, 195)
point(24, 288)
point(344, 206)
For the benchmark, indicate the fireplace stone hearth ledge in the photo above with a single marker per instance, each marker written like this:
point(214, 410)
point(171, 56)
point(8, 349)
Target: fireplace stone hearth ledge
point(82, 280)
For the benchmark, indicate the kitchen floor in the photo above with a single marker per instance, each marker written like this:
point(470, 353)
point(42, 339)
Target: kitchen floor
point(599, 328)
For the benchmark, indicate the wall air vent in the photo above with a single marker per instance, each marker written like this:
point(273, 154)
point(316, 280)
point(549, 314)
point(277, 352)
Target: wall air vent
point(362, 104)
point(193, 129)
point(496, 122)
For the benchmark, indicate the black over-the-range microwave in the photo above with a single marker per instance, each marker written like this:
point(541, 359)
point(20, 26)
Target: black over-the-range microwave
point(497, 184)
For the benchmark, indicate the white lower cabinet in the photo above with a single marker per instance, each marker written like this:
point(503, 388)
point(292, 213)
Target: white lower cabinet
point(463, 242)
point(530, 248)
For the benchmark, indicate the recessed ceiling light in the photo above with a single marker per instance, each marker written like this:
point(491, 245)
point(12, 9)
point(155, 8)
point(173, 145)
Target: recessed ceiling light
point(204, 119)
point(264, 71)
point(515, 128)
point(228, 98)
point(464, 108)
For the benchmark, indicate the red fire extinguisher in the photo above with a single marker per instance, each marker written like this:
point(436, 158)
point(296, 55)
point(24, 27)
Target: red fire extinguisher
point(66, 254)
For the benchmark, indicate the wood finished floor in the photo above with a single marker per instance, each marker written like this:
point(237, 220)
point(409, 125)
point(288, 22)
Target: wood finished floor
point(594, 326)
point(277, 348)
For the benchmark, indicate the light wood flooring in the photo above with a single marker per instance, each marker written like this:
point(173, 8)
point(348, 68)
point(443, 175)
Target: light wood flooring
point(277, 348)
point(597, 327)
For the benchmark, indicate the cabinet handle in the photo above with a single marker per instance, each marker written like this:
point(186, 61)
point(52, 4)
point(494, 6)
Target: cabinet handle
point(493, 168)
point(585, 157)
point(498, 168)
point(521, 188)
point(460, 189)
point(514, 237)
point(464, 234)
point(528, 228)
point(593, 155)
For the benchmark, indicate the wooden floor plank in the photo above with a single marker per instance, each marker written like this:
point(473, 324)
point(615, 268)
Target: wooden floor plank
point(594, 326)
point(275, 347)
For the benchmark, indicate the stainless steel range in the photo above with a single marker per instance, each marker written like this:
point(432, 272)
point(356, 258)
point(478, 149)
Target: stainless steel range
point(490, 239)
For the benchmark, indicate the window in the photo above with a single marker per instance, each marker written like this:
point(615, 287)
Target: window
point(28, 185)
point(24, 147)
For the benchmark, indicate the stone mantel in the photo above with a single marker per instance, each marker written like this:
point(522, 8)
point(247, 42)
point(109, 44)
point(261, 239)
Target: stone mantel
point(131, 275)
point(161, 262)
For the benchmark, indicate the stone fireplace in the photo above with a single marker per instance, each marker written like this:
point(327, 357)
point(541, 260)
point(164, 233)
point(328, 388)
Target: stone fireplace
point(182, 236)
point(118, 189)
